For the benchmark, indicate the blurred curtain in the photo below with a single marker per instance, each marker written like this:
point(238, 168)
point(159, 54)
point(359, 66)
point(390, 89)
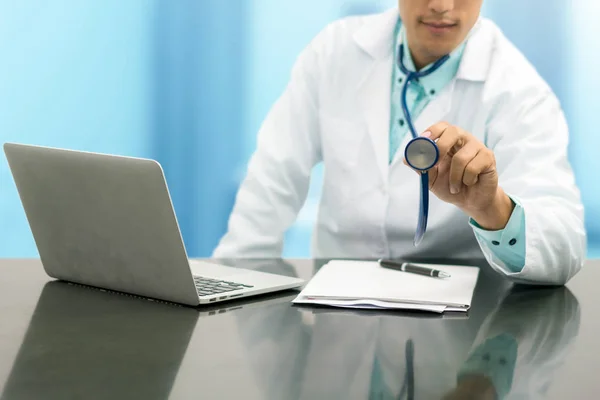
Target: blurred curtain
point(73, 74)
point(541, 30)
point(583, 83)
point(199, 108)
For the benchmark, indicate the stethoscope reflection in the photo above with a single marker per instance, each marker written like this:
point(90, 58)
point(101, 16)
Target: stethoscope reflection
point(520, 346)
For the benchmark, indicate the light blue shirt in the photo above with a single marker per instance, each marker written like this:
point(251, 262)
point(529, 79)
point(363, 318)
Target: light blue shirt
point(507, 244)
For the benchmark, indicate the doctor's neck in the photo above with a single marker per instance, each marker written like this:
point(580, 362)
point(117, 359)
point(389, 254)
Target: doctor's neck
point(435, 28)
point(423, 59)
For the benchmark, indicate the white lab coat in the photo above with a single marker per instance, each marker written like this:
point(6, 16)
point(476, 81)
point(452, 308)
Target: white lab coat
point(336, 110)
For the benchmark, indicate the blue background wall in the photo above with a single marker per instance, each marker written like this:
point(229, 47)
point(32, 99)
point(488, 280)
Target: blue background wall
point(189, 82)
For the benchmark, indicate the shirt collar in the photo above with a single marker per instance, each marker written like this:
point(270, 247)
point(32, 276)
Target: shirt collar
point(435, 82)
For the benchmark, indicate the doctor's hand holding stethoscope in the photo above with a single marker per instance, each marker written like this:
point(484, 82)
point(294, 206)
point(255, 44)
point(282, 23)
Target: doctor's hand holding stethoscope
point(454, 165)
point(461, 171)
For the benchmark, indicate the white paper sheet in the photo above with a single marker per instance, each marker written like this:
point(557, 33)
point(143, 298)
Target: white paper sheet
point(371, 304)
point(360, 284)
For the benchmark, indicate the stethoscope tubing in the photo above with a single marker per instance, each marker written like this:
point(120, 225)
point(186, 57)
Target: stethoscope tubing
point(424, 196)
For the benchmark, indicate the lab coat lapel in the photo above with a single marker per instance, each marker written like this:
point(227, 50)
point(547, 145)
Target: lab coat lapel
point(375, 93)
point(377, 40)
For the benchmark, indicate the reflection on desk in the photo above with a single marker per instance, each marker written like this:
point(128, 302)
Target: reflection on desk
point(521, 345)
point(88, 343)
point(84, 343)
point(341, 354)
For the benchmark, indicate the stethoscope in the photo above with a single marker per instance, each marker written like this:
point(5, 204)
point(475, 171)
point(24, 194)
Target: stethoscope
point(421, 153)
point(408, 387)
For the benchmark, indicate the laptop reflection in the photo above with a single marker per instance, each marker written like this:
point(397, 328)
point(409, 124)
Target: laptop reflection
point(83, 343)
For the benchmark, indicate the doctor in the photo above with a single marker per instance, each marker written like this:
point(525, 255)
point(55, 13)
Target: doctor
point(502, 185)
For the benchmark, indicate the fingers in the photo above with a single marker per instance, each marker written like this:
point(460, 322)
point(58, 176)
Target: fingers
point(451, 140)
point(481, 163)
point(435, 131)
point(433, 174)
point(462, 155)
point(459, 163)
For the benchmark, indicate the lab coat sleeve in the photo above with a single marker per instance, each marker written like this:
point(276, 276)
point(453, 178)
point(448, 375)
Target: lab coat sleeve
point(529, 136)
point(278, 175)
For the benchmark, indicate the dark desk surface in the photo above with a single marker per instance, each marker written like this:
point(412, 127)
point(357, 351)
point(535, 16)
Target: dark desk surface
point(60, 341)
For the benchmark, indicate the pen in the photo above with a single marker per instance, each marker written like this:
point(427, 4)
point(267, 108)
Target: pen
point(415, 269)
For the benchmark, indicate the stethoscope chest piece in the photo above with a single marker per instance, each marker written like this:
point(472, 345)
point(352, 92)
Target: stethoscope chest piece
point(421, 153)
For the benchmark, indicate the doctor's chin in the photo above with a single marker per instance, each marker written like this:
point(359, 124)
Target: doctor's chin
point(423, 132)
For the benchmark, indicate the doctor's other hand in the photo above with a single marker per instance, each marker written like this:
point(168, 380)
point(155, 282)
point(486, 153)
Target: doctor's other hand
point(466, 176)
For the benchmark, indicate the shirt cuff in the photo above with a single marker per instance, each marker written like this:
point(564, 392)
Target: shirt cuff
point(507, 244)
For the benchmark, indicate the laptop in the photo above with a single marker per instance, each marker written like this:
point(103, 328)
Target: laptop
point(108, 221)
point(81, 343)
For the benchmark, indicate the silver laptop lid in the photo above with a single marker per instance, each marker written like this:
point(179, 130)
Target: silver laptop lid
point(103, 220)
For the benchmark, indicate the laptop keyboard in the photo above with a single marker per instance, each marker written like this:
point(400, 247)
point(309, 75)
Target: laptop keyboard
point(209, 287)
